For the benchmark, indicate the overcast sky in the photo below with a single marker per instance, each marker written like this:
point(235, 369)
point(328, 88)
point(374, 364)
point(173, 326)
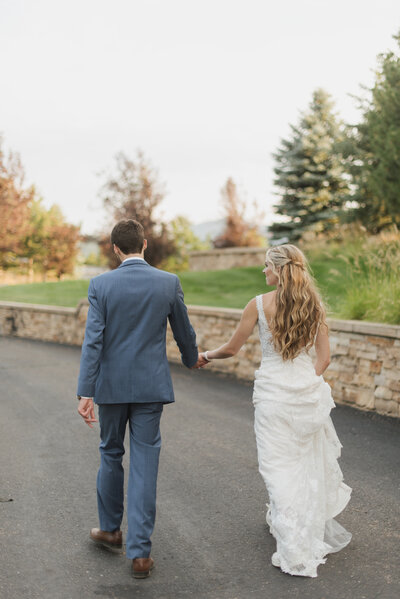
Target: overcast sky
point(205, 88)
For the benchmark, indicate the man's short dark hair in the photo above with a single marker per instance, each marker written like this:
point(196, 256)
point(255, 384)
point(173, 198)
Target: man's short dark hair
point(128, 236)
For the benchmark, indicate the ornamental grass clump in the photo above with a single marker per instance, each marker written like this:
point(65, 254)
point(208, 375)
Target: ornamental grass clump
point(373, 292)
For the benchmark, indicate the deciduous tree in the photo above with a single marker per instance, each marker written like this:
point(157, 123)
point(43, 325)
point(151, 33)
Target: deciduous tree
point(185, 242)
point(50, 244)
point(61, 243)
point(15, 200)
point(238, 231)
point(133, 191)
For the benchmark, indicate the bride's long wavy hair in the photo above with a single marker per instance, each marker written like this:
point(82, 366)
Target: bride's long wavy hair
point(299, 308)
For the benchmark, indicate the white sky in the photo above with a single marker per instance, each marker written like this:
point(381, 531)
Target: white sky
point(205, 88)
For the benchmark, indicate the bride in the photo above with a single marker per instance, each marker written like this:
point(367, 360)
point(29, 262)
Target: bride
point(297, 444)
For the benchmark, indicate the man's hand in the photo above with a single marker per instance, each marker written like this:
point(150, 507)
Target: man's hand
point(86, 410)
point(201, 362)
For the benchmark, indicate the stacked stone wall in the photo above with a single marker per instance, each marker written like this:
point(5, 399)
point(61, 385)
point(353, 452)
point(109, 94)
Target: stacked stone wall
point(365, 366)
point(45, 323)
point(365, 357)
point(226, 258)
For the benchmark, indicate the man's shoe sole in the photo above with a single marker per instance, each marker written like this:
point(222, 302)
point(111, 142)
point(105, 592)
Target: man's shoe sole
point(112, 546)
point(144, 574)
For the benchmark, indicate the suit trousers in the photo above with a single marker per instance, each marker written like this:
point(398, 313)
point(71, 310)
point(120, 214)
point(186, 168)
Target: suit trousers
point(145, 445)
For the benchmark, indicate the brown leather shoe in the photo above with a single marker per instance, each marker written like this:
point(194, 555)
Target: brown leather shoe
point(112, 540)
point(142, 566)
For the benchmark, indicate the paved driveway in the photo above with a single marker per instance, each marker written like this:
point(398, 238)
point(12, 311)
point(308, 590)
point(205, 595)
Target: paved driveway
point(211, 539)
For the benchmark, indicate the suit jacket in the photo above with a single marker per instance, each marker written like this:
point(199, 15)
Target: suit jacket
point(124, 351)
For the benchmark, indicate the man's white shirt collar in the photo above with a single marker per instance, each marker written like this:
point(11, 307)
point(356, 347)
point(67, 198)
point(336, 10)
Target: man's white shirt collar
point(134, 258)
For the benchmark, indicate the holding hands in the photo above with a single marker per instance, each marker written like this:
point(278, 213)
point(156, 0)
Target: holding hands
point(202, 361)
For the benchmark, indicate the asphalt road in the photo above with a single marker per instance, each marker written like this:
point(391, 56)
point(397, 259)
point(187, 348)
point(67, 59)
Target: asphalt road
point(211, 539)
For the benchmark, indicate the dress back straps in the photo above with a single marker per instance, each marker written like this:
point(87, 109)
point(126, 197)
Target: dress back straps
point(260, 309)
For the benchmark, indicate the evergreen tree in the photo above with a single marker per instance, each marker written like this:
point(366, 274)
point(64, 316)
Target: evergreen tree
point(310, 172)
point(375, 152)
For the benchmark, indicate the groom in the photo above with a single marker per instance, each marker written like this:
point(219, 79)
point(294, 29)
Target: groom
point(124, 369)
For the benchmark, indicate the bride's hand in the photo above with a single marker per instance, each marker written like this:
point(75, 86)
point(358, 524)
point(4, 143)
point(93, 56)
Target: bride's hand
point(201, 362)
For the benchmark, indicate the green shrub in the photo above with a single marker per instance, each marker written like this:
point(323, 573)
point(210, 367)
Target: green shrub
point(374, 292)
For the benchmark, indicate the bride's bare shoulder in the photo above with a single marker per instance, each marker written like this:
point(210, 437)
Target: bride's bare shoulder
point(269, 298)
point(251, 306)
point(250, 312)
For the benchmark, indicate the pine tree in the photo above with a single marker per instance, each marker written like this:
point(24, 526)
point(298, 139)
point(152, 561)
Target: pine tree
point(375, 156)
point(310, 172)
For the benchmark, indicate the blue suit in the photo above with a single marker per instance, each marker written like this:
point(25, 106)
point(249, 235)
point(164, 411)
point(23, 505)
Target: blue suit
point(124, 367)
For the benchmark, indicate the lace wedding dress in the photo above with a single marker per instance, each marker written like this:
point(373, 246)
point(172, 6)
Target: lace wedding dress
point(298, 450)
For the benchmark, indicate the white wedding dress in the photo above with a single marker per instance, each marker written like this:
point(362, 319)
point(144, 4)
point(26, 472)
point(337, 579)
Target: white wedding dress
point(298, 450)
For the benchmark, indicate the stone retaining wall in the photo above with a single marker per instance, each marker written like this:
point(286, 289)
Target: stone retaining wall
point(46, 323)
point(226, 258)
point(364, 371)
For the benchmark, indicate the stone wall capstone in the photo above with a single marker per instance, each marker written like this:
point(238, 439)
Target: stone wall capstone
point(365, 357)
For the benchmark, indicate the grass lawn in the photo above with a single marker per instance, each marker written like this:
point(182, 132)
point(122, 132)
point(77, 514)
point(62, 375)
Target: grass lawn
point(234, 288)
point(60, 293)
point(223, 288)
point(358, 277)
